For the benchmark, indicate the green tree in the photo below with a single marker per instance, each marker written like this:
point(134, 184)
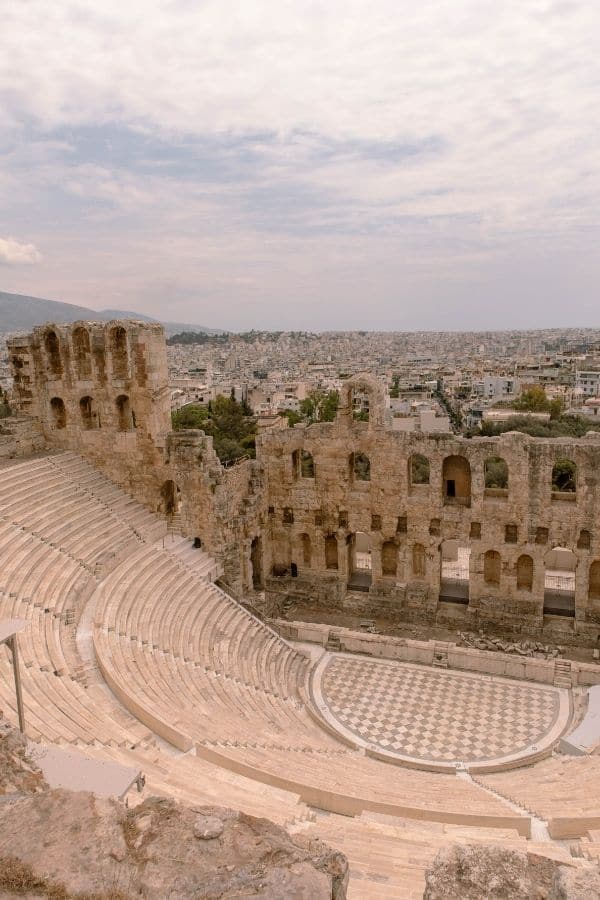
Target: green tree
point(191, 416)
point(319, 406)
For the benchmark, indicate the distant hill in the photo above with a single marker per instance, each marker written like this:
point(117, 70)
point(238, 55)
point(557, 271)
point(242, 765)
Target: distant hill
point(19, 312)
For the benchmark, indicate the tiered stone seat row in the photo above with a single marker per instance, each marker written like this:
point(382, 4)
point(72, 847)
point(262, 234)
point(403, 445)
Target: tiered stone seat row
point(557, 789)
point(185, 651)
point(193, 665)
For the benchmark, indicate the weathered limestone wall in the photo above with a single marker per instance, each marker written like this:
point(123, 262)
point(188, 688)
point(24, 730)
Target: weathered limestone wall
point(100, 389)
point(407, 523)
point(20, 436)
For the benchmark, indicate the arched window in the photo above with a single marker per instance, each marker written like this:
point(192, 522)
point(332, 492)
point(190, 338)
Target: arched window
point(52, 347)
point(89, 414)
point(59, 414)
point(418, 469)
point(456, 477)
point(564, 476)
point(125, 416)
point(306, 549)
point(119, 352)
point(331, 552)
point(594, 581)
point(492, 565)
point(585, 540)
point(524, 573)
point(80, 339)
point(496, 474)
point(360, 467)
point(389, 559)
point(418, 560)
point(307, 464)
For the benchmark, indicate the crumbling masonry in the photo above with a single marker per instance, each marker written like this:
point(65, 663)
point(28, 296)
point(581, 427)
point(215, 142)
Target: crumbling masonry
point(348, 514)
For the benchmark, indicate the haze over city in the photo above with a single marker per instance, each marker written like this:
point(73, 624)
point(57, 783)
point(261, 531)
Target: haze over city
point(321, 166)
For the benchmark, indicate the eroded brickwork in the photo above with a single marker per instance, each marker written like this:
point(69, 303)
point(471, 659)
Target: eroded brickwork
point(348, 514)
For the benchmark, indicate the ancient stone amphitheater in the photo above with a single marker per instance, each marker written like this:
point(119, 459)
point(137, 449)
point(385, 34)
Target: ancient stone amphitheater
point(132, 653)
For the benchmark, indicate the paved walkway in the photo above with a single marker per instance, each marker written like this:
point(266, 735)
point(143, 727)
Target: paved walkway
point(433, 715)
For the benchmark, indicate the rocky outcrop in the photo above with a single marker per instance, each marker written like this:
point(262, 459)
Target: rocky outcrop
point(79, 844)
point(19, 774)
point(472, 871)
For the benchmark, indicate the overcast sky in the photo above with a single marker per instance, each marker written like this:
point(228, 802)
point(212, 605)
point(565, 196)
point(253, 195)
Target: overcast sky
point(314, 165)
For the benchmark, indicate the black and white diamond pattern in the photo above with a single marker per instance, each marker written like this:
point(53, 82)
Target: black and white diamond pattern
point(428, 714)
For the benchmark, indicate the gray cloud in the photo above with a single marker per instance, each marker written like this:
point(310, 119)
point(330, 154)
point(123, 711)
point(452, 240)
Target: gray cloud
point(305, 156)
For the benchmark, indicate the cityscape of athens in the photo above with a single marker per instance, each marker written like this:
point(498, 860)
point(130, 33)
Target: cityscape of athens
point(299, 450)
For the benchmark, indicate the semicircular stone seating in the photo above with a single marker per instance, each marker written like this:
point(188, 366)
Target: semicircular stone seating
point(186, 663)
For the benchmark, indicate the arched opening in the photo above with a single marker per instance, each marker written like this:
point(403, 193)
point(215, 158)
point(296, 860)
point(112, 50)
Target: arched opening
point(492, 567)
point(496, 477)
point(594, 581)
point(584, 540)
point(331, 552)
point(564, 477)
point(360, 467)
point(59, 413)
point(256, 561)
point(89, 413)
point(307, 464)
point(418, 469)
point(52, 347)
point(82, 353)
point(456, 477)
point(559, 582)
point(119, 352)
point(389, 559)
point(359, 561)
point(360, 400)
point(525, 573)
point(306, 549)
point(170, 497)
point(454, 575)
point(125, 416)
point(418, 561)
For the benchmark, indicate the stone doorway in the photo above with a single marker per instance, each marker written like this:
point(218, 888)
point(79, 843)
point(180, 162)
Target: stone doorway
point(454, 578)
point(359, 562)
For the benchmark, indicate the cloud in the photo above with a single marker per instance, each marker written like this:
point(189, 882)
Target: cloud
point(13, 253)
point(335, 150)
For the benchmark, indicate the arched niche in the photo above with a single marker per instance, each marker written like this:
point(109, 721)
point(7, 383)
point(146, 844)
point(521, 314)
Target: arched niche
point(82, 353)
point(525, 572)
point(119, 352)
point(58, 413)
point(89, 414)
point(594, 581)
point(389, 559)
point(331, 552)
point(492, 567)
point(456, 480)
point(125, 415)
point(306, 549)
point(418, 561)
point(53, 356)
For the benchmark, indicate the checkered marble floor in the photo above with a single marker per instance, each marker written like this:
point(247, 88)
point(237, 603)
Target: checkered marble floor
point(430, 714)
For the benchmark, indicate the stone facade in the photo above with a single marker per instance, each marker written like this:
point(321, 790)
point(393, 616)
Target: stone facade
point(349, 514)
point(101, 389)
point(508, 534)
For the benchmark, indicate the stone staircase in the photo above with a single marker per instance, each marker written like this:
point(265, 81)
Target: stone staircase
point(562, 674)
